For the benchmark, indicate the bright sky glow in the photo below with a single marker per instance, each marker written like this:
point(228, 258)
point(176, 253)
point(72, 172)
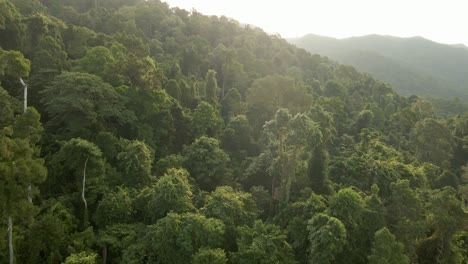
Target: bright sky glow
point(443, 21)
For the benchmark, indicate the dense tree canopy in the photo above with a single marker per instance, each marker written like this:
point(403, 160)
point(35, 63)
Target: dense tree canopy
point(132, 132)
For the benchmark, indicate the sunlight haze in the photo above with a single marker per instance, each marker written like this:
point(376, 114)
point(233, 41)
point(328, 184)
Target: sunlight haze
point(440, 21)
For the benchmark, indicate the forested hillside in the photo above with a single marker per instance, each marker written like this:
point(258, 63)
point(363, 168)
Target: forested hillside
point(159, 135)
point(412, 65)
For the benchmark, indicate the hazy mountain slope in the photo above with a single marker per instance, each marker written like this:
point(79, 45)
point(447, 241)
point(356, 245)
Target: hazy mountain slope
point(412, 65)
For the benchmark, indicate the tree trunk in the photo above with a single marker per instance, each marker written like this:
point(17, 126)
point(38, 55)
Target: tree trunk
point(25, 107)
point(25, 94)
point(85, 213)
point(84, 185)
point(10, 240)
point(104, 254)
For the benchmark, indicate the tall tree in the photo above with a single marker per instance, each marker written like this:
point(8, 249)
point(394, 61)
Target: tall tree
point(231, 104)
point(348, 206)
point(268, 94)
point(7, 108)
point(317, 170)
point(211, 88)
point(405, 212)
point(171, 193)
point(80, 104)
point(19, 167)
point(207, 163)
point(98, 61)
point(135, 162)
point(14, 64)
point(386, 249)
point(210, 256)
point(327, 236)
point(289, 137)
point(11, 27)
point(232, 207)
point(177, 237)
point(206, 121)
point(237, 138)
point(115, 207)
point(262, 243)
point(77, 170)
point(446, 217)
point(433, 141)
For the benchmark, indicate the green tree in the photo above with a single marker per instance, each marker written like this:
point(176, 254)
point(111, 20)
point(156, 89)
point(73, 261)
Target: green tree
point(386, 249)
point(232, 207)
point(336, 107)
point(122, 243)
point(262, 243)
point(364, 120)
point(327, 236)
point(82, 258)
point(77, 171)
point(161, 122)
point(231, 105)
point(268, 94)
point(222, 59)
point(301, 211)
point(210, 256)
point(374, 217)
point(115, 207)
point(11, 28)
point(177, 237)
point(8, 105)
point(211, 88)
point(97, 61)
point(207, 163)
point(463, 189)
point(49, 56)
point(171, 193)
point(289, 137)
point(446, 179)
point(13, 63)
point(333, 88)
point(144, 73)
point(405, 212)
point(28, 8)
point(433, 141)
point(39, 27)
point(206, 121)
point(446, 216)
point(348, 206)
point(135, 162)
point(28, 126)
point(80, 104)
point(237, 138)
point(317, 171)
point(169, 162)
point(173, 89)
point(7, 108)
point(19, 167)
point(46, 241)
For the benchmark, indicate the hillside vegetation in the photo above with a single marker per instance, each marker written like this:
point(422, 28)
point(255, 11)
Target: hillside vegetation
point(411, 65)
point(158, 135)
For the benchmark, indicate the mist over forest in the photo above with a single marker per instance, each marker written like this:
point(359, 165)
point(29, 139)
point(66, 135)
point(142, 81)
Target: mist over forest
point(411, 65)
point(133, 132)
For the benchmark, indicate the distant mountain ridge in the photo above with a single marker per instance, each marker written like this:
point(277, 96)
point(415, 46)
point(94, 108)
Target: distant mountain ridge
point(412, 65)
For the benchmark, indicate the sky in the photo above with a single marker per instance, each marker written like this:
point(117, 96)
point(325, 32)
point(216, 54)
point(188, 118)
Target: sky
point(443, 21)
